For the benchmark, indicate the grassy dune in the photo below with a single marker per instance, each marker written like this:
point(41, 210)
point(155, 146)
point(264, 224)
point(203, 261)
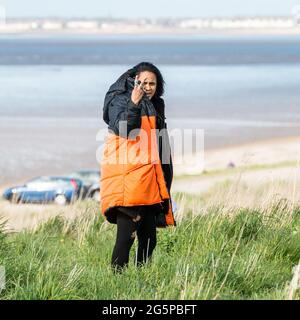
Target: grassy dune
point(215, 252)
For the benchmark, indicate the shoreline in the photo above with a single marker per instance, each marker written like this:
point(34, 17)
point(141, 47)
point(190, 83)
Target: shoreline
point(264, 152)
point(155, 32)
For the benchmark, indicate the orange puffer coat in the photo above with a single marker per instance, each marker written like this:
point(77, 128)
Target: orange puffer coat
point(132, 173)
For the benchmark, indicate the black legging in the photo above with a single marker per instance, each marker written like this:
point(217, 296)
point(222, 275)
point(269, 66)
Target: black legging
point(145, 229)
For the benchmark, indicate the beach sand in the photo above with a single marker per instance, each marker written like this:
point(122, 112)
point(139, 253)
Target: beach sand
point(263, 171)
point(279, 151)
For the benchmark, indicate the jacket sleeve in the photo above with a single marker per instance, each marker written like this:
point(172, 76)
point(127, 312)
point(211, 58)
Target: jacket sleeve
point(168, 173)
point(165, 154)
point(123, 109)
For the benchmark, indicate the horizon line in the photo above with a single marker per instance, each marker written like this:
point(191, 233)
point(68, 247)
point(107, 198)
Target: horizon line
point(149, 18)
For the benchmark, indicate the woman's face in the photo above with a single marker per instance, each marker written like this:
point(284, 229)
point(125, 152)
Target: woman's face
point(149, 82)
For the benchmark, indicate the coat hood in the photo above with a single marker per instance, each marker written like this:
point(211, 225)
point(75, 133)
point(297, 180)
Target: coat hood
point(125, 81)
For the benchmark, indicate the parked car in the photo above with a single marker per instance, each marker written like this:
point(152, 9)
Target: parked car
point(60, 190)
point(91, 183)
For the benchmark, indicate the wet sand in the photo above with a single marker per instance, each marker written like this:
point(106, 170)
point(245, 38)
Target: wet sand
point(32, 147)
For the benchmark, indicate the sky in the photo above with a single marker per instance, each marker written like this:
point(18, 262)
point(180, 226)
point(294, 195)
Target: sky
point(147, 9)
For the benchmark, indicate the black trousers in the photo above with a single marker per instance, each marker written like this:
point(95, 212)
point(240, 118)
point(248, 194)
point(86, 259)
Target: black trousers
point(144, 227)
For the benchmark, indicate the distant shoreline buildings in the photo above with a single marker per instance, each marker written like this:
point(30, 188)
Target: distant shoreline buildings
point(110, 25)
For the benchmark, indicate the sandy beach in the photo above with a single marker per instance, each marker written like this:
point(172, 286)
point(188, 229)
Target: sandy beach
point(272, 152)
point(262, 171)
point(253, 175)
point(279, 154)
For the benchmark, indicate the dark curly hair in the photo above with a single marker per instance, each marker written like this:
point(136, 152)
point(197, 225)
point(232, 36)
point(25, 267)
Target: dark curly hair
point(147, 66)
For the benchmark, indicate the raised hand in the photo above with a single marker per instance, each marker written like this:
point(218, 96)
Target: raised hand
point(138, 91)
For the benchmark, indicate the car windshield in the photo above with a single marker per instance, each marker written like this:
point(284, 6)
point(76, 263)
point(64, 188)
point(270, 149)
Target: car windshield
point(86, 175)
point(47, 182)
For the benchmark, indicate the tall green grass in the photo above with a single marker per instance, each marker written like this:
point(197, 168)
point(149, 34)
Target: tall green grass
point(240, 254)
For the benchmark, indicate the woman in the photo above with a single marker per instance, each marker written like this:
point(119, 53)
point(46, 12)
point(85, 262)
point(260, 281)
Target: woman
point(135, 182)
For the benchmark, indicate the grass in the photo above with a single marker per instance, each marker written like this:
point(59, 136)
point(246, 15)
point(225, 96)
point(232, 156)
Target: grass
point(234, 194)
point(213, 254)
